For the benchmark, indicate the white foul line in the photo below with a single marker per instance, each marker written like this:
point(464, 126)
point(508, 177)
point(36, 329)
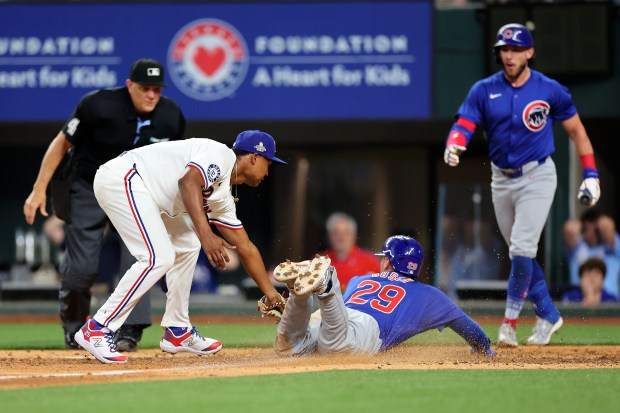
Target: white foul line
point(109, 373)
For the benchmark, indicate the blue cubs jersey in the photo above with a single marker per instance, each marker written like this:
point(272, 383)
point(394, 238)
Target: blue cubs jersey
point(402, 306)
point(518, 121)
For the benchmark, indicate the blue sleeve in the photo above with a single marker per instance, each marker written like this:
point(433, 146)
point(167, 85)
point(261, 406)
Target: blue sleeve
point(473, 334)
point(471, 108)
point(563, 107)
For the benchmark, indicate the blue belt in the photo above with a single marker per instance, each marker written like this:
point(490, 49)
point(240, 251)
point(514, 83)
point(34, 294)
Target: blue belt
point(523, 169)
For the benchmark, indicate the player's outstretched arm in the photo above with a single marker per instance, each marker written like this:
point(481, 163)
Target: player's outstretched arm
point(38, 197)
point(472, 333)
point(252, 260)
point(590, 190)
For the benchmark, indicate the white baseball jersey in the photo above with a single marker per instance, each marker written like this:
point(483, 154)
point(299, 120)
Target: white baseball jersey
point(161, 166)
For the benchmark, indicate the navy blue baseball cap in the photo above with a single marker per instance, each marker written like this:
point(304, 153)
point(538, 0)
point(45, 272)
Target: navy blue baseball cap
point(258, 142)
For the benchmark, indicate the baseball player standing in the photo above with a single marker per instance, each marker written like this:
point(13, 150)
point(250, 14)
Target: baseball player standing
point(377, 312)
point(517, 107)
point(104, 124)
point(161, 199)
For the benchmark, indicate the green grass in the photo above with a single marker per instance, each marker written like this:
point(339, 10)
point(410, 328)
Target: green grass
point(476, 391)
point(49, 336)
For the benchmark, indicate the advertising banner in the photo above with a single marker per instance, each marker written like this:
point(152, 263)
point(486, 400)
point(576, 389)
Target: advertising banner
point(275, 61)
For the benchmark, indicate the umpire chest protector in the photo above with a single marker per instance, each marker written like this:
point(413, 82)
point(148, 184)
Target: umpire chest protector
point(105, 124)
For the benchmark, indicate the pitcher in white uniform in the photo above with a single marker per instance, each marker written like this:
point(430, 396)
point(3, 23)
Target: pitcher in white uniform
point(162, 200)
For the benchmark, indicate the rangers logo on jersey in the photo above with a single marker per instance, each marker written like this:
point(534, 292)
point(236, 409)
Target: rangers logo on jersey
point(208, 59)
point(535, 115)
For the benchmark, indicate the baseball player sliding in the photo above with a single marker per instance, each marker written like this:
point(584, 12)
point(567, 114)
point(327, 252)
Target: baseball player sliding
point(377, 312)
point(161, 199)
point(517, 107)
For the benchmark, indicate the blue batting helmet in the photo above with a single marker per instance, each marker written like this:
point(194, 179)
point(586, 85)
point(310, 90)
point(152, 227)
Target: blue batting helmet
point(514, 34)
point(405, 254)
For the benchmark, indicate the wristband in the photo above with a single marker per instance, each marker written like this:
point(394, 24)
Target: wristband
point(590, 173)
point(461, 132)
point(588, 165)
point(587, 161)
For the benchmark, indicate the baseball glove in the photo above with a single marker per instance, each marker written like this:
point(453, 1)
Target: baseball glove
point(274, 310)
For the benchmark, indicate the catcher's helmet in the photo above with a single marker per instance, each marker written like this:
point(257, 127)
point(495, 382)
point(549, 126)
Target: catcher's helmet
point(405, 254)
point(512, 34)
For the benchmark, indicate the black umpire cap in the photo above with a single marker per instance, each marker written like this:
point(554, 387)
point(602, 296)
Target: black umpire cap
point(147, 72)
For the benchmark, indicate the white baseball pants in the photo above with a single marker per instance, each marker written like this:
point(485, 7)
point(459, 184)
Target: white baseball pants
point(162, 245)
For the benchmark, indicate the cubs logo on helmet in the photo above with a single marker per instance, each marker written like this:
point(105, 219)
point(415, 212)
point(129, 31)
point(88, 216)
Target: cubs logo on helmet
point(535, 115)
point(208, 59)
point(514, 34)
point(405, 254)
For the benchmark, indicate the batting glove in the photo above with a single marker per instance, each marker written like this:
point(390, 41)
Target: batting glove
point(452, 153)
point(589, 192)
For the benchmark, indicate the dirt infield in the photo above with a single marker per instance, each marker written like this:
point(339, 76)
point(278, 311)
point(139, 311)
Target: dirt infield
point(34, 368)
point(30, 368)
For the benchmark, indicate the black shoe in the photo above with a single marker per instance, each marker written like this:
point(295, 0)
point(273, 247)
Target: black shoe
point(128, 336)
point(70, 343)
point(126, 344)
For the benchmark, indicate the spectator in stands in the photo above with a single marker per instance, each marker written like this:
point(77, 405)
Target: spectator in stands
point(594, 235)
point(348, 259)
point(591, 291)
point(476, 258)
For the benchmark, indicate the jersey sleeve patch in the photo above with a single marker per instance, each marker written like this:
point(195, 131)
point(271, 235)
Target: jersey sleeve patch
point(213, 172)
point(210, 175)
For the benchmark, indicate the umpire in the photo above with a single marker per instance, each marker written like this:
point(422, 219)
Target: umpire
point(104, 124)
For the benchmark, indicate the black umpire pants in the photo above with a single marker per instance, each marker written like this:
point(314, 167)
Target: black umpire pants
point(78, 269)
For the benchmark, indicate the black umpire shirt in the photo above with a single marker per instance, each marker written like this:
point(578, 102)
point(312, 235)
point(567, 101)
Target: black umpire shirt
point(105, 124)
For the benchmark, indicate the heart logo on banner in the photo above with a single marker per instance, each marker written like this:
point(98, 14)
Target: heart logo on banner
point(209, 61)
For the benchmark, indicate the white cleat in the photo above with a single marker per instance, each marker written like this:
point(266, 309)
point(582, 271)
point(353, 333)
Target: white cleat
point(99, 341)
point(288, 272)
point(315, 279)
point(188, 340)
point(536, 328)
point(507, 336)
point(542, 331)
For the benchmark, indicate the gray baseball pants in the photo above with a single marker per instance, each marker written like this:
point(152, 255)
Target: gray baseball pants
point(335, 328)
point(522, 206)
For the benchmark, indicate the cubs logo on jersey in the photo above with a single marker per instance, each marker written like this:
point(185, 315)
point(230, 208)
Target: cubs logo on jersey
point(535, 115)
point(208, 59)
